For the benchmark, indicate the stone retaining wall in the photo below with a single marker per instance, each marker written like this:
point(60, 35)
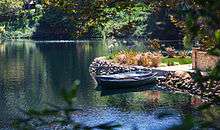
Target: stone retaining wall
point(202, 60)
point(101, 66)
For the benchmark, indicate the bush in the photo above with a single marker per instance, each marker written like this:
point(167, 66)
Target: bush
point(170, 52)
point(127, 57)
point(23, 25)
point(214, 51)
point(217, 38)
point(187, 41)
point(147, 59)
point(156, 59)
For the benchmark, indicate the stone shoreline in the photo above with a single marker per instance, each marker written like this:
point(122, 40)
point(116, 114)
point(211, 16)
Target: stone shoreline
point(184, 82)
point(173, 79)
point(101, 66)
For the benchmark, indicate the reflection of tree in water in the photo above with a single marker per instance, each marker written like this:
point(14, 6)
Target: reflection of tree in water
point(67, 62)
point(125, 102)
point(2, 48)
point(22, 76)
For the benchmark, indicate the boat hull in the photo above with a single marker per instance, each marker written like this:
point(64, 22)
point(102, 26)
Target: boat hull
point(125, 83)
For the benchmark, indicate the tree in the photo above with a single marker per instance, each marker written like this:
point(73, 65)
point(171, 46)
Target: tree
point(199, 19)
point(10, 7)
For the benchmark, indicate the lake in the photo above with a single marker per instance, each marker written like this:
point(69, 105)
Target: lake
point(33, 73)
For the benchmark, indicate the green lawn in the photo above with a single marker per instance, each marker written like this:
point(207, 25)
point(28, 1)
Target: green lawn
point(177, 60)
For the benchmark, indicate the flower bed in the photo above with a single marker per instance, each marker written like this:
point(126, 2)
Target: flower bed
point(147, 59)
point(131, 60)
point(150, 59)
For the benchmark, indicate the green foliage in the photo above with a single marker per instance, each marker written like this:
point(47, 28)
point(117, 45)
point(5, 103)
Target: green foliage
point(217, 37)
point(187, 41)
point(214, 51)
point(197, 18)
point(214, 74)
point(23, 25)
point(76, 18)
point(119, 21)
point(68, 96)
point(199, 78)
point(10, 7)
point(187, 60)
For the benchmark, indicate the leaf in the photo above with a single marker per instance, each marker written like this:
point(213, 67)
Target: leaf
point(217, 36)
point(66, 97)
point(69, 96)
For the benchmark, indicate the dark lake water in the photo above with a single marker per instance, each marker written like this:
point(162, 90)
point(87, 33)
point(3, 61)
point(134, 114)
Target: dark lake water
point(32, 73)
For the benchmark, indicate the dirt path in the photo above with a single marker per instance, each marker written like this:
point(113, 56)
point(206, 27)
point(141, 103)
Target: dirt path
point(187, 68)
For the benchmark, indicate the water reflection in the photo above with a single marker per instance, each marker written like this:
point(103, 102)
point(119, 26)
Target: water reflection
point(2, 48)
point(34, 73)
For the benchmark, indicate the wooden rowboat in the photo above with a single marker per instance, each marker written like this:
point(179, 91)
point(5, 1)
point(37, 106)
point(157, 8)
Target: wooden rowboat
point(124, 80)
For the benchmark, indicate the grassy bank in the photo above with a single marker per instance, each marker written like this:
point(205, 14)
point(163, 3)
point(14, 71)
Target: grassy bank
point(176, 60)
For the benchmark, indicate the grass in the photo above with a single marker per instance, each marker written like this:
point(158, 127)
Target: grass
point(177, 60)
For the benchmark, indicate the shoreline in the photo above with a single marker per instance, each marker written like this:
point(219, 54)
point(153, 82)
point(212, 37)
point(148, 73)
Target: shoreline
point(178, 78)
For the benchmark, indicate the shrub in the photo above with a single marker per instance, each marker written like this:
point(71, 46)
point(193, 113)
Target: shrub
point(214, 51)
point(170, 52)
point(138, 59)
point(121, 58)
point(187, 41)
point(125, 57)
point(156, 59)
point(147, 59)
point(217, 38)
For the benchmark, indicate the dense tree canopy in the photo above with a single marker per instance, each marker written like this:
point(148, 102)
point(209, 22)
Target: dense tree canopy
point(10, 7)
point(199, 19)
point(96, 17)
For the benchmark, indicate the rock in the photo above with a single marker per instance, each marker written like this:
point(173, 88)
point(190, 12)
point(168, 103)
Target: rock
point(182, 74)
